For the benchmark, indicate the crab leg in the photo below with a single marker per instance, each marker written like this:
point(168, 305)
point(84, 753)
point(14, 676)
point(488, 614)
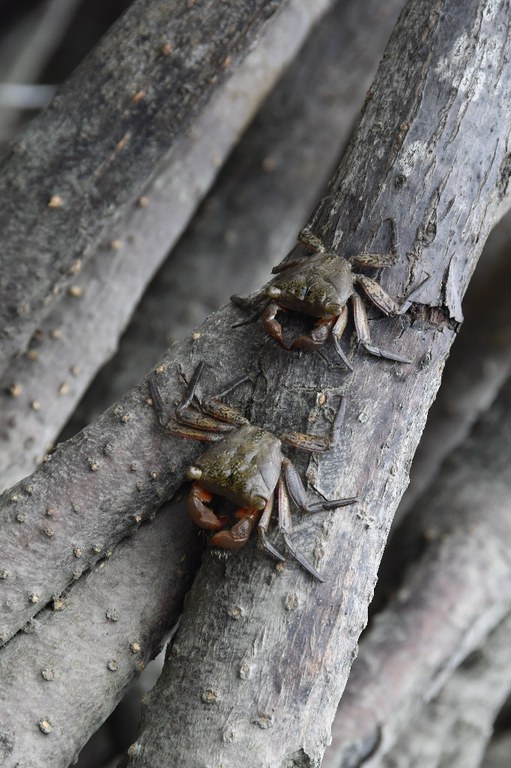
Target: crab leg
point(202, 515)
point(192, 427)
point(318, 443)
point(310, 240)
point(337, 332)
point(298, 493)
point(377, 295)
point(185, 413)
point(364, 335)
point(285, 527)
point(379, 260)
point(223, 412)
point(374, 260)
point(262, 530)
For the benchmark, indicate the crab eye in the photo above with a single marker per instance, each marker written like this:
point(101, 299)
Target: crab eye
point(273, 292)
point(194, 473)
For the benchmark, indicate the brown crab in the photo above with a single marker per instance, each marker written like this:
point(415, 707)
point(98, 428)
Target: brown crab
point(321, 285)
point(246, 466)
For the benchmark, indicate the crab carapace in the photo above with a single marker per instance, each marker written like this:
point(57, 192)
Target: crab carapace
point(321, 285)
point(246, 465)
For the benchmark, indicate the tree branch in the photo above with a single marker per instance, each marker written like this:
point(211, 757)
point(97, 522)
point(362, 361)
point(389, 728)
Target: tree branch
point(281, 165)
point(454, 729)
point(52, 377)
point(81, 656)
point(138, 92)
point(287, 131)
point(456, 593)
point(498, 753)
point(477, 367)
point(225, 694)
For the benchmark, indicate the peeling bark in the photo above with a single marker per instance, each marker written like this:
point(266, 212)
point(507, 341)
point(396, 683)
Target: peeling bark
point(478, 365)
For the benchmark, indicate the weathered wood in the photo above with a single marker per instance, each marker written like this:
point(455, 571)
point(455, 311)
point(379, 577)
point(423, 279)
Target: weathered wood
point(259, 662)
point(477, 367)
point(62, 360)
point(73, 663)
point(101, 139)
point(455, 728)
point(344, 41)
point(262, 196)
point(451, 598)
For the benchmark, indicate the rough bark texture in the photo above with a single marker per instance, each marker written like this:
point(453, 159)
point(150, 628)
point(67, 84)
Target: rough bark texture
point(138, 91)
point(262, 196)
point(456, 593)
point(479, 364)
point(226, 695)
point(96, 492)
point(80, 656)
point(341, 41)
point(455, 728)
point(51, 378)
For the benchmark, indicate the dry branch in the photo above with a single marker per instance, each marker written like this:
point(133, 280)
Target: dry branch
point(342, 38)
point(455, 728)
point(101, 139)
point(125, 250)
point(261, 690)
point(479, 364)
point(73, 663)
point(261, 198)
point(456, 593)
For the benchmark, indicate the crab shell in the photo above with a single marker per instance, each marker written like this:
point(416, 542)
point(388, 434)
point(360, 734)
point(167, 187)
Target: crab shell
point(244, 466)
point(320, 286)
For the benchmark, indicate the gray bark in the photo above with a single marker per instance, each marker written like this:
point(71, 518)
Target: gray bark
point(137, 93)
point(341, 38)
point(479, 364)
point(262, 196)
point(52, 377)
point(73, 662)
point(456, 593)
point(455, 728)
point(259, 662)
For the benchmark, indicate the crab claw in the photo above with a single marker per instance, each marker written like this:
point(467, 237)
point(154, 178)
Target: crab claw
point(202, 515)
point(272, 327)
point(239, 534)
point(317, 337)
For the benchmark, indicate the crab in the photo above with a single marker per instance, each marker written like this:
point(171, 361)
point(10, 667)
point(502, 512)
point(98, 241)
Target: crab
point(321, 286)
point(246, 466)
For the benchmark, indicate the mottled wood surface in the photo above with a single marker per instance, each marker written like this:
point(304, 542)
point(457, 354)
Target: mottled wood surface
point(262, 654)
point(266, 688)
point(128, 244)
